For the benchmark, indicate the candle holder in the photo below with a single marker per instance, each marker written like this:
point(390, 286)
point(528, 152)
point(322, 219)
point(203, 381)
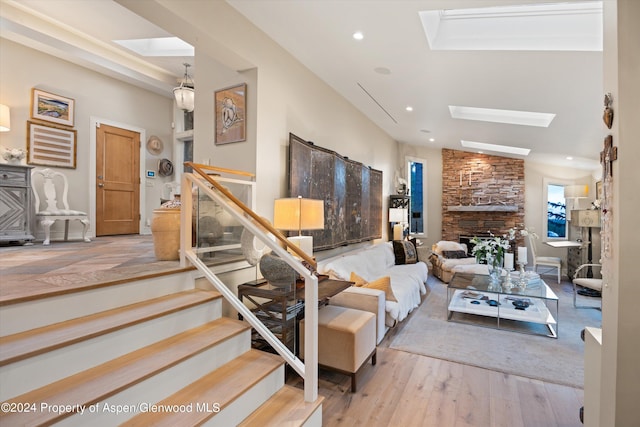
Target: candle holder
point(508, 281)
point(522, 283)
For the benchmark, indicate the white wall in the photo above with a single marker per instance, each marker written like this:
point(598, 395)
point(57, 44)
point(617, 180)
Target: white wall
point(95, 95)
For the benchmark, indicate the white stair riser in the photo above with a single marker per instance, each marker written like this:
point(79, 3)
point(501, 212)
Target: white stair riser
point(34, 314)
point(248, 402)
point(158, 387)
point(34, 372)
point(315, 420)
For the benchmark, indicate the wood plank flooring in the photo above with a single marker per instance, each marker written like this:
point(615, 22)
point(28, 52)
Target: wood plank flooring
point(408, 390)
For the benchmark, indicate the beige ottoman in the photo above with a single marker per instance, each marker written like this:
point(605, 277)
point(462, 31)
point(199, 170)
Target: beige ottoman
point(346, 339)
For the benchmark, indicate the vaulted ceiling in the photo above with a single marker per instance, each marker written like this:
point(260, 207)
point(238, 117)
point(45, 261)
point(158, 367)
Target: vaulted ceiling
point(393, 67)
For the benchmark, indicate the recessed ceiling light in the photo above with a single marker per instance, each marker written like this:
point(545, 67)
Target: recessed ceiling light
point(409, 108)
point(358, 35)
point(569, 158)
point(382, 70)
point(425, 130)
point(432, 139)
point(566, 26)
point(161, 46)
point(525, 118)
point(494, 147)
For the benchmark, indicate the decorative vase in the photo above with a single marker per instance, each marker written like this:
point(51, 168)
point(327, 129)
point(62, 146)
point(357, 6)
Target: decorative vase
point(165, 229)
point(495, 272)
point(277, 271)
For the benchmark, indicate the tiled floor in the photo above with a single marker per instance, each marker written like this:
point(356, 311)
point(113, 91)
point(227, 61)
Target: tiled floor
point(29, 271)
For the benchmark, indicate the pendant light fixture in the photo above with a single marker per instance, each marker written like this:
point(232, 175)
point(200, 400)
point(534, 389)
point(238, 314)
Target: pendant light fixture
point(184, 94)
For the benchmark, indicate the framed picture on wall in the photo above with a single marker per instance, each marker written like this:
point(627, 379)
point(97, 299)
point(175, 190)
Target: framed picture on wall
point(51, 145)
point(52, 108)
point(599, 190)
point(230, 114)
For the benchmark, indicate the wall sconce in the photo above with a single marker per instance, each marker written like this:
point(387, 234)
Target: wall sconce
point(299, 214)
point(5, 118)
point(184, 94)
point(398, 217)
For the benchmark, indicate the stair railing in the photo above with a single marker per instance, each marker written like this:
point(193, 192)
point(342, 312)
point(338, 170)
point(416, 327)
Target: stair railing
point(262, 230)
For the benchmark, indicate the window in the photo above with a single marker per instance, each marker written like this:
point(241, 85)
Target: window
point(416, 183)
point(556, 212)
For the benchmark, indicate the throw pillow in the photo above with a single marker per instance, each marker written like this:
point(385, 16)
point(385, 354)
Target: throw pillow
point(357, 280)
point(454, 254)
point(405, 252)
point(382, 284)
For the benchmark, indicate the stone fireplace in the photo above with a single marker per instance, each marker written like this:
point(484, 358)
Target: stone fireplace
point(481, 194)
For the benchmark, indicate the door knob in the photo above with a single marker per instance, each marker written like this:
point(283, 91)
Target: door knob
point(101, 185)
point(99, 176)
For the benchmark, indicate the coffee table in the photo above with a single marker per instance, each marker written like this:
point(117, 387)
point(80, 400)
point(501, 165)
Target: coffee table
point(471, 294)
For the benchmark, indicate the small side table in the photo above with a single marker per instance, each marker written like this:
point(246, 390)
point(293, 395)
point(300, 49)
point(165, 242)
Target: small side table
point(281, 308)
point(277, 307)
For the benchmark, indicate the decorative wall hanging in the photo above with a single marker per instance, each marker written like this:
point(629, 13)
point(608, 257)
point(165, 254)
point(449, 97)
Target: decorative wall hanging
point(51, 145)
point(154, 145)
point(352, 193)
point(607, 116)
point(165, 167)
point(230, 114)
point(52, 108)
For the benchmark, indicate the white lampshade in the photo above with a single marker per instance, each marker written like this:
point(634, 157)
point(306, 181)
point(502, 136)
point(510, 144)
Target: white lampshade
point(397, 215)
point(576, 191)
point(5, 118)
point(298, 214)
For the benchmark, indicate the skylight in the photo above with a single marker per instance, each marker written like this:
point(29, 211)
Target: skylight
point(494, 147)
point(544, 27)
point(162, 46)
point(524, 118)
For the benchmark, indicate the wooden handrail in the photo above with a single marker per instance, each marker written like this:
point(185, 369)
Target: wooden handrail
point(222, 170)
point(264, 223)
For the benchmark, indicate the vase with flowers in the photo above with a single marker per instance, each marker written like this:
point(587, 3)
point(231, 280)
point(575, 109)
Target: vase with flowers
point(13, 156)
point(491, 252)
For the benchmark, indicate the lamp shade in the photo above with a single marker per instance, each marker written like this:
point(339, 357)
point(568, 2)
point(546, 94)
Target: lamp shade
point(298, 214)
point(397, 215)
point(185, 98)
point(5, 118)
point(576, 191)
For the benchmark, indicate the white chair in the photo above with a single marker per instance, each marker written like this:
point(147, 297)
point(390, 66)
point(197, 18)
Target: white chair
point(547, 261)
point(43, 182)
point(586, 282)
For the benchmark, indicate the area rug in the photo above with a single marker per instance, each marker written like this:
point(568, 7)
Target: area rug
point(559, 361)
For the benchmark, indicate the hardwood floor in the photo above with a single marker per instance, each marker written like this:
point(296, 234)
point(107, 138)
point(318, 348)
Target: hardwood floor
point(406, 390)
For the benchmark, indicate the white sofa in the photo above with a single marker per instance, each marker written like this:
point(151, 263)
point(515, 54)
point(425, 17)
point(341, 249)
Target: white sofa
point(371, 263)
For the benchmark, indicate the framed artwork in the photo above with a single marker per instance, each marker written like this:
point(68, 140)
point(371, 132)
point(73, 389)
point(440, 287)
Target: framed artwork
point(52, 108)
point(599, 190)
point(230, 111)
point(51, 145)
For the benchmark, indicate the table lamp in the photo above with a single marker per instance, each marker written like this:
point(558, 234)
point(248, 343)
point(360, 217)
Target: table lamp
point(297, 214)
point(398, 216)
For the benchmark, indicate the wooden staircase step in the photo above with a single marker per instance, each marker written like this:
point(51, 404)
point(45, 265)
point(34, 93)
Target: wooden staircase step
point(98, 383)
point(286, 408)
point(40, 340)
point(222, 387)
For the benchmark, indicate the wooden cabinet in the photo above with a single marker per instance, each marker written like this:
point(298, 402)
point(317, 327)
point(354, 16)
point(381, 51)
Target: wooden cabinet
point(16, 205)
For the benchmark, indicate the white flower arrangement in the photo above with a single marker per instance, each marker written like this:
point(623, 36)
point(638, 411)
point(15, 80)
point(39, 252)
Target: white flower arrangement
point(493, 250)
point(13, 154)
